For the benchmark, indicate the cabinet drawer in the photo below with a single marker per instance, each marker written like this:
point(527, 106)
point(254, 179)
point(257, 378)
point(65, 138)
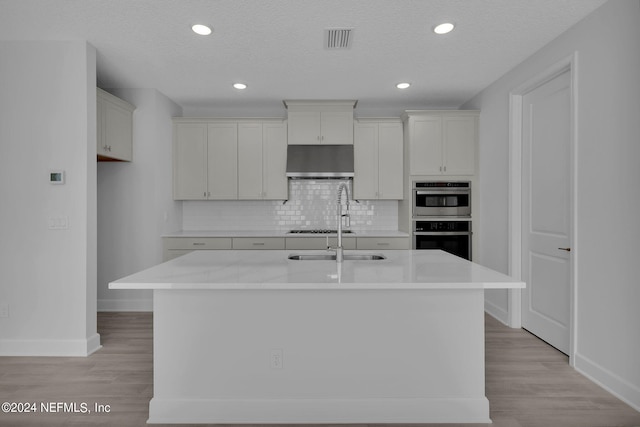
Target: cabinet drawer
point(197, 243)
point(170, 254)
point(258, 243)
point(319, 243)
point(369, 243)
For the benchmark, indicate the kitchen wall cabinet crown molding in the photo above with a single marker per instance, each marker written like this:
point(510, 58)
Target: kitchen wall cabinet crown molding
point(378, 156)
point(442, 142)
point(114, 128)
point(229, 159)
point(320, 122)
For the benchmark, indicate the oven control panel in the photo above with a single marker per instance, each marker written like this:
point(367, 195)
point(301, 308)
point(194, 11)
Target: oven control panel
point(439, 226)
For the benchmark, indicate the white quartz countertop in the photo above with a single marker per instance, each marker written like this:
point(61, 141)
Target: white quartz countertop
point(281, 233)
point(271, 269)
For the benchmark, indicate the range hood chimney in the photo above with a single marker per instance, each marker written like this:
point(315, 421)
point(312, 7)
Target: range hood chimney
point(320, 161)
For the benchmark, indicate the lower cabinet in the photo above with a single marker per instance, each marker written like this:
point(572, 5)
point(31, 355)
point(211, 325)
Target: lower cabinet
point(319, 243)
point(258, 243)
point(372, 243)
point(174, 247)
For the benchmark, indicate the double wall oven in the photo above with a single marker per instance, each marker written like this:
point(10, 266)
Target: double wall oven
point(442, 216)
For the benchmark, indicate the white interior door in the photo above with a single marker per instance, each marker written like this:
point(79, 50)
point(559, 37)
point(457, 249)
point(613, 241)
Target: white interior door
point(546, 211)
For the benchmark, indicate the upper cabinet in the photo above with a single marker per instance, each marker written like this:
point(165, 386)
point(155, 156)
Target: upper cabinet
point(262, 160)
point(229, 159)
point(378, 159)
point(320, 122)
point(442, 142)
point(115, 128)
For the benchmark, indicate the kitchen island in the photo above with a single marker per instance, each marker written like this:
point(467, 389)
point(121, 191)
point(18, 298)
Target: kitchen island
point(256, 337)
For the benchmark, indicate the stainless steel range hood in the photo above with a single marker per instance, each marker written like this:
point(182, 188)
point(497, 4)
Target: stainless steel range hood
point(320, 161)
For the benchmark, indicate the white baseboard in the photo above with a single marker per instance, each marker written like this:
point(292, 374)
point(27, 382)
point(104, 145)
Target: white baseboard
point(619, 387)
point(324, 411)
point(125, 305)
point(57, 348)
point(496, 312)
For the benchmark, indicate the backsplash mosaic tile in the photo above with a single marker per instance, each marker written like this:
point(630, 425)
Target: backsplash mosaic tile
point(311, 204)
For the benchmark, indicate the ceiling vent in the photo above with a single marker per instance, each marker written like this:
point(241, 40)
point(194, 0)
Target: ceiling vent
point(338, 38)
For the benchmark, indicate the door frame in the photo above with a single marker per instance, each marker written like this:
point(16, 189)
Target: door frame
point(570, 64)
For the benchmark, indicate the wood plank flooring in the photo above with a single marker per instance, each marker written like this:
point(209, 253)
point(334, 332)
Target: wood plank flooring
point(528, 383)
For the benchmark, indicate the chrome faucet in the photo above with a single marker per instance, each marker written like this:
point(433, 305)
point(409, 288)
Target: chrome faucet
point(340, 215)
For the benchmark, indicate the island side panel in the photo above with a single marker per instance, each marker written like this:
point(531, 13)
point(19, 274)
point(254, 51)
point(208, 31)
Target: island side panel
point(322, 356)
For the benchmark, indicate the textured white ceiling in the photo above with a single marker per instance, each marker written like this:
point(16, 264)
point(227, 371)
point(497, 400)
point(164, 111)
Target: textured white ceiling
point(276, 46)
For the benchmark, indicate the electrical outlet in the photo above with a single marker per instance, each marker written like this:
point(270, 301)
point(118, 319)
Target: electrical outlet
point(276, 358)
point(4, 310)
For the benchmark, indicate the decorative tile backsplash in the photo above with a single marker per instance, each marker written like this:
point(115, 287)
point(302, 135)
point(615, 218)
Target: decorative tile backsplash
point(311, 204)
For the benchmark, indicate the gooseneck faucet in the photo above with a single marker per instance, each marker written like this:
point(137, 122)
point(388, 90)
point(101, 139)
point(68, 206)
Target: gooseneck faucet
point(340, 215)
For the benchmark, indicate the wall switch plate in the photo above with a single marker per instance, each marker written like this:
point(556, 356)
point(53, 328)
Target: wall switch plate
point(58, 223)
point(4, 310)
point(276, 358)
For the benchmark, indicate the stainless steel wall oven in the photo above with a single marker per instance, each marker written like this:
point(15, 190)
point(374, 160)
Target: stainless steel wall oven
point(438, 198)
point(450, 236)
point(442, 216)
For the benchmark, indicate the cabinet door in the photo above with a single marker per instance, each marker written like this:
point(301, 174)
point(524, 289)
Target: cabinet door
point(365, 156)
point(425, 146)
point(189, 161)
point(115, 127)
point(222, 156)
point(390, 161)
point(118, 131)
point(304, 127)
point(336, 127)
point(250, 161)
point(459, 144)
point(275, 185)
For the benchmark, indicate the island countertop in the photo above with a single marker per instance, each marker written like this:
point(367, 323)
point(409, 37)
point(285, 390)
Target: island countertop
point(260, 269)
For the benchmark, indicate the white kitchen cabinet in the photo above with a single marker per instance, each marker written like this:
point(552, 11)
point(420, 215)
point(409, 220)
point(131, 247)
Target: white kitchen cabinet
point(190, 161)
point(229, 159)
point(222, 161)
point(114, 127)
point(267, 243)
point(378, 159)
point(262, 160)
point(373, 243)
point(442, 142)
point(205, 160)
point(320, 122)
point(174, 247)
point(318, 243)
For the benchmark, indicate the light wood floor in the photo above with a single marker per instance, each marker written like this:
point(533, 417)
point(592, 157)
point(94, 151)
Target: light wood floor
point(528, 383)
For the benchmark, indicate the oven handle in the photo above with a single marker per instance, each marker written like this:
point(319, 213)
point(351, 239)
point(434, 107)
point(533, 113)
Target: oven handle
point(442, 233)
point(439, 192)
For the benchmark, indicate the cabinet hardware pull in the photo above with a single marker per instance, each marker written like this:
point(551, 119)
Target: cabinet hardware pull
point(258, 243)
point(198, 244)
point(565, 249)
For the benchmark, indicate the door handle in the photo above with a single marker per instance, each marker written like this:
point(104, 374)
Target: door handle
point(565, 249)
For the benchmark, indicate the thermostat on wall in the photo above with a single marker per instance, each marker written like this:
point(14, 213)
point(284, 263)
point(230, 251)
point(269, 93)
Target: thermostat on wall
point(56, 177)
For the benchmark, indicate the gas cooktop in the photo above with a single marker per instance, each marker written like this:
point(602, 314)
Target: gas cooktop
point(319, 231)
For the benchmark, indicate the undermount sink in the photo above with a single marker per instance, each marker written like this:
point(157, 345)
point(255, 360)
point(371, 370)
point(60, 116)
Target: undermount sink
point(332, 257)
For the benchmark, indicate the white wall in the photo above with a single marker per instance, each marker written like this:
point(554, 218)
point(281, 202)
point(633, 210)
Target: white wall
point(48, 121)
point(311, 204)
point(608, 161)
point(135, 202)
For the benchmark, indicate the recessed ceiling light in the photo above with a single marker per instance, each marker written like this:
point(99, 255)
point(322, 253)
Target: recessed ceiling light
point(240, 86)
point(203, 30)
point(445, 28)
point(403, 85)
